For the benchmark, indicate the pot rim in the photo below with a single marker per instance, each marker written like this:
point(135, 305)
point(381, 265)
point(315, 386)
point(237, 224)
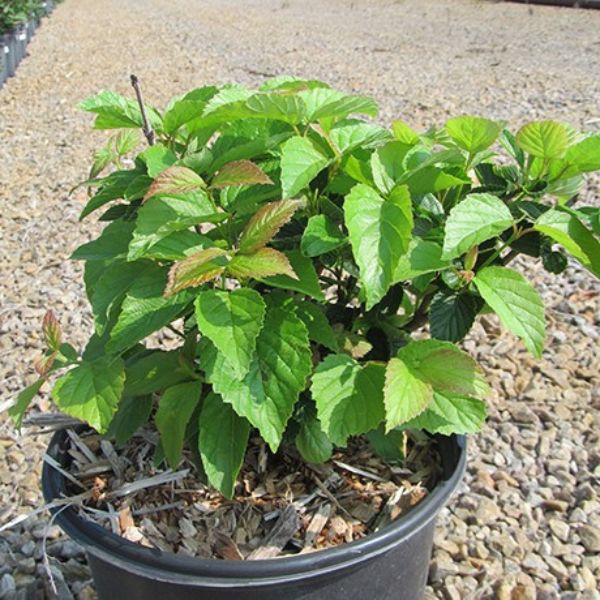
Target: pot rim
point(167, 566)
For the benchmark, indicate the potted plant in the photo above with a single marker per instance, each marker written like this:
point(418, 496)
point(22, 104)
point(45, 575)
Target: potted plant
point(317, 273)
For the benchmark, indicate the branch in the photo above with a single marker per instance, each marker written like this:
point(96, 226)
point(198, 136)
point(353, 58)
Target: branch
point(147, 129)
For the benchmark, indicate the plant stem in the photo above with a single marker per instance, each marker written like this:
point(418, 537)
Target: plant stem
point(147, 129)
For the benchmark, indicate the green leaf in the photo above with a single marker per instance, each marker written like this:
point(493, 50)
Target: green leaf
point(312, 442)
point(278, 373)
point(451, 315)
point(178, 245)
point(390, 446)
point(132, 414)
point(232, 322)
point(289, 109)
point(115, 111)
point(319, 328)
point(222, 441)
point(185, 109)
point(431, 422)
point(111, 243)
point(265, 262)
point(429, 360)
point(175, 409)
point(301, 162)
point(163, 215)
point(154, 372)
point(92, 391)
point(126, 141)
point(585, 155)
point(406, 395)
point(479, 217)
point(464, 414)
point(422, 257)
point(380, 232)
point(158, 158)
point(175, 180)
point(324, 103)
point(145, 310)
point(387, 165)
point(516, 302)
point(18, 409)
point(404, 133)
point(543, 139)
point(112, 187)
point(349, 134)
point(321, 235)
point(349, 396)
point(567, 230)
point(196, 269)
point(240, 172)
point(432, 180)
point(306, 281)
point(473, 134)
point(265, 223)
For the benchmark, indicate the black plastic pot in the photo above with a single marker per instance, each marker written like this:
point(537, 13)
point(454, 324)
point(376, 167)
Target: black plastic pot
point(570, 3)
point(391, 564)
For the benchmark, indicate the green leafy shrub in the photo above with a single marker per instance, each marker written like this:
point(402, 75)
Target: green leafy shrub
point(295, 250)
point(15, 12)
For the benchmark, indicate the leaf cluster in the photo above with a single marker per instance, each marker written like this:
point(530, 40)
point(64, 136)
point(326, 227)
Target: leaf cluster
point(294, 248)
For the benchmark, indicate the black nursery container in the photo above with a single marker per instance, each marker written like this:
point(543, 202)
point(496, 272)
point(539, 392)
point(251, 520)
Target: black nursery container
point(391, 564)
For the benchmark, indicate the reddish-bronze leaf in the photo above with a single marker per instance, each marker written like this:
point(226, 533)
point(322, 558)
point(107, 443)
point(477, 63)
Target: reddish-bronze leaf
point(175, 180)
point(265, 262)
point(196, 269)
point(265, 223)
point(44, 363)
point(240, 172)
point(51, 331)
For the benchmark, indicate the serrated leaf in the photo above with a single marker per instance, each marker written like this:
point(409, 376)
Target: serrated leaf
point(175, 180)
point(115, 111)
point(479, 217)
point(306, 280)
point(516, 302)
point(240, 172)
point(380, 232)
point(324, 103)
point(196, 269)
point(265, 223)
point(111, 243)
point(349, 134)
point(132, 414)
point(321, 235)
point(161, 216)
point(175, 409)
point(112, 187)
point(430, 359)
point(222, 441)
point(349, 397)
point(278, 373)
point(232, 322)
point(145, 310)
point(585, 155)
point(51, 331)
point(404, 133)
point(178, 245)
point(126, 141)
point(92, 391)
point(463, 414)
point(312, 442)
point(319, 328)
point(431, 180)
point(567, 230)
point(390, 446)
point(290, 109)
point(406, 395)
point(24, 399)
point(154, 372)
point(422, 257)
point(265, 262)
point(473, 134)
point(543, 139)
point(451, 315)
point(157, 158)
point(301, 162)
point(185, 109)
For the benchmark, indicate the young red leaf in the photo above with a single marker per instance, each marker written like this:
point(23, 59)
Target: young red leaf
point(51, 331)
point(175, 180)
point(263, 263)
point(240, 172)
point(196, 269)
point(265, 223)
point(44, 363)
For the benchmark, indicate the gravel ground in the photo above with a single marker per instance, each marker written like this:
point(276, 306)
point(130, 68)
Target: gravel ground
point(526, 523)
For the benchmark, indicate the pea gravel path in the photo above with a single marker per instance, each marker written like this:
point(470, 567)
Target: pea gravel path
point(526, 523)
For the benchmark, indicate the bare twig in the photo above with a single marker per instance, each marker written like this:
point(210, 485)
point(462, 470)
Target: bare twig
point(147, 129)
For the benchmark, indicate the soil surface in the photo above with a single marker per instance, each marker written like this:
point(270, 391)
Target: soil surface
point(526, 523)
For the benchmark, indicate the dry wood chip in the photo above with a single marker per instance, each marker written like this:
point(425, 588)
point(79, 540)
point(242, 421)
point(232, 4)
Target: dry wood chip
point(363, 512)
point(358, 471)
point(225, 547)
point(318, 521)
point(282, 532)
point(126, 518)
